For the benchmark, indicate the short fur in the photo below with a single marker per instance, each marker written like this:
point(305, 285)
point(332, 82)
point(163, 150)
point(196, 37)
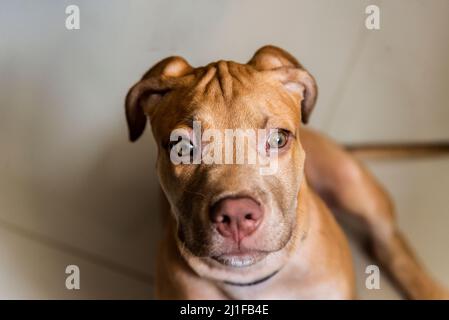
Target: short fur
point(299, 236)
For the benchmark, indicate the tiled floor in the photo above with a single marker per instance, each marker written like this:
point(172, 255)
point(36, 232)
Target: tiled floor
point(419, 189)
point(31, 267)
point(395, 61)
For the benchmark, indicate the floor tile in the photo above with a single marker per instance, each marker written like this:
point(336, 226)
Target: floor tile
point(398, 88)
point(32, 270)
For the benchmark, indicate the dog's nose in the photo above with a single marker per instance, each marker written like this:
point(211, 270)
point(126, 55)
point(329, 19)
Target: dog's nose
point(236, 218)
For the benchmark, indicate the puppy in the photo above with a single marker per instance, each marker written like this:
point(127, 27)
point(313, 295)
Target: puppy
point(233, 232)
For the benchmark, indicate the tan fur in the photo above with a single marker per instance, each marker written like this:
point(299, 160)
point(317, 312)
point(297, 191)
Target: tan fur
point(298, 237)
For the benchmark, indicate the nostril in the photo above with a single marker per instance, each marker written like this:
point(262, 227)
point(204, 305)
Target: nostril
point(248, 216)
point(225, 219)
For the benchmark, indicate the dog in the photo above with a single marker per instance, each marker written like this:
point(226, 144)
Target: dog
point(234, 233)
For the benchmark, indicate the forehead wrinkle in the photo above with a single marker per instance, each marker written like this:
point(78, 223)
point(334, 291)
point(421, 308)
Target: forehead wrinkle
point(207, 88)
point(224, 79)
point(223, 97)
point(208, 73)
point(202, 87)
point(242, 74)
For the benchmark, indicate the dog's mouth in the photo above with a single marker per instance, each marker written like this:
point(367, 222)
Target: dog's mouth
point(240, 259)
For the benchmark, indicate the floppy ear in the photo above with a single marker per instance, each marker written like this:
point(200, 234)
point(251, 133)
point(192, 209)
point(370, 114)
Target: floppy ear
point(285, 68)
point(146, 94)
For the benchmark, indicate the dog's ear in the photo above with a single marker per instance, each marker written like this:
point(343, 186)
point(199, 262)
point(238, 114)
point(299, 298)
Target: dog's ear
point(146, 94)
point(285, 68)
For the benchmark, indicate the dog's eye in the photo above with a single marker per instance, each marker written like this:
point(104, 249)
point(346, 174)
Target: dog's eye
point(277, 139)
point(182, 147)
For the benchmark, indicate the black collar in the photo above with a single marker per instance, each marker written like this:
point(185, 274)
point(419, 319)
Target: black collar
point(253, 282)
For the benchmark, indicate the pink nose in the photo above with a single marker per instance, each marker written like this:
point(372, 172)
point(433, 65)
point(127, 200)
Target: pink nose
point(236, 218)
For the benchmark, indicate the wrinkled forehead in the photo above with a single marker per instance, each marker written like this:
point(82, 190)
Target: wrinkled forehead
point(228, 95)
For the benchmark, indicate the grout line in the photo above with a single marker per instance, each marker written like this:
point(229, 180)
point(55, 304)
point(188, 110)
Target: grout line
point(67, 248)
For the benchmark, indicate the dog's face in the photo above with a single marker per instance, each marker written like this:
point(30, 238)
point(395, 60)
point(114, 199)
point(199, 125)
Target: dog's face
point(228, 212)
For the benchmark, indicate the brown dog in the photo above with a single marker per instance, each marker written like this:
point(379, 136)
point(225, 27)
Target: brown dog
point(235, 233)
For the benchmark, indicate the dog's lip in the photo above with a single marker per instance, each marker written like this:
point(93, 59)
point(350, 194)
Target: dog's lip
point(240, 258)
point(240, 253)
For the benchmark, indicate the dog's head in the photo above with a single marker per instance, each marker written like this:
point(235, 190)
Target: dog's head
point(230, 214)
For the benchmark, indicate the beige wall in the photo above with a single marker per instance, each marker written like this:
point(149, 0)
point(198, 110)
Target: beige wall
point(73, 190)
